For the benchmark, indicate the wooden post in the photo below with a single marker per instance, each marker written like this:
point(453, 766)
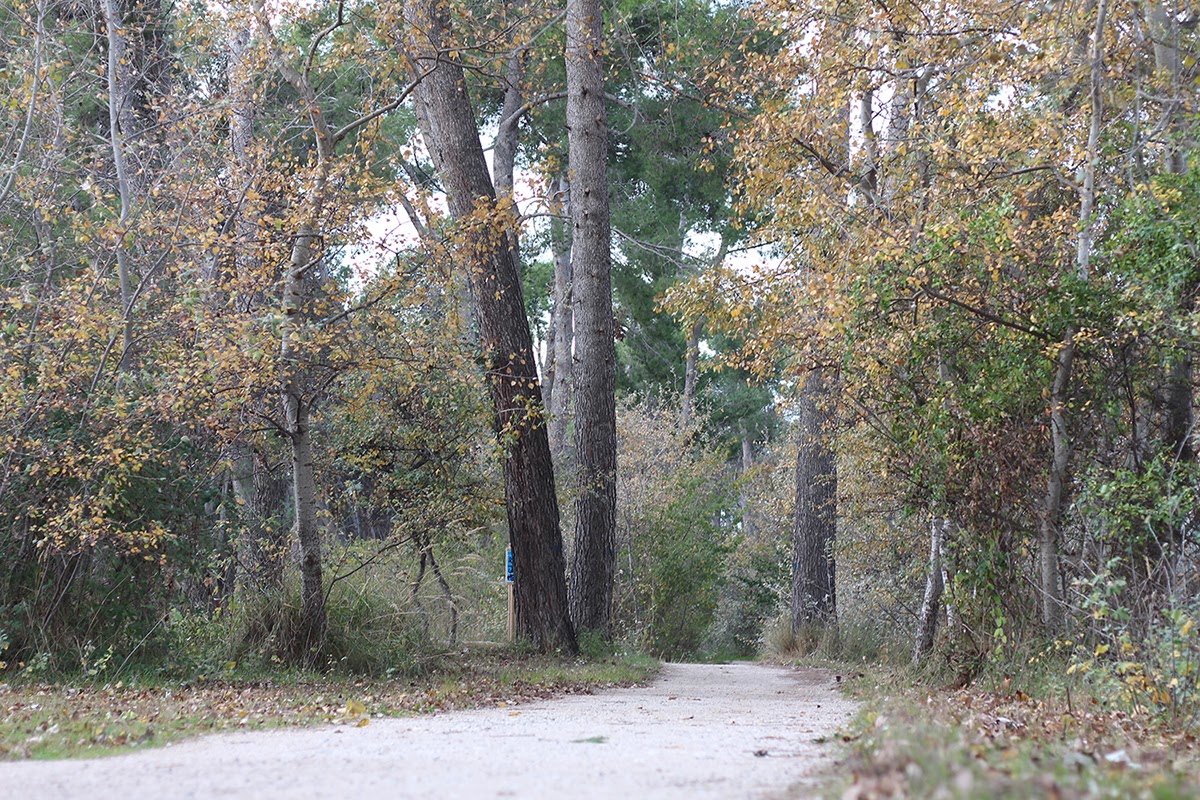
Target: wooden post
point(512, 615)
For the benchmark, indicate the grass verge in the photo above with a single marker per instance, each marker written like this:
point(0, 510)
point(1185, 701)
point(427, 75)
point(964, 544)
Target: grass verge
point(57, 720)
point(1000, 741)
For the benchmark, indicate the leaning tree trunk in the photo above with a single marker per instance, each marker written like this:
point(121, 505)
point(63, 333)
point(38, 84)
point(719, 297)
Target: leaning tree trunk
point(506, 343)
point(814, 596)
point(593, 566)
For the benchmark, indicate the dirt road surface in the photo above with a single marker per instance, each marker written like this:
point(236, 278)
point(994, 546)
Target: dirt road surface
point(698, 731)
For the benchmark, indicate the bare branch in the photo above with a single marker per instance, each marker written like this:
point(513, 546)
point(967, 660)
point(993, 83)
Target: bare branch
point(982, 313)
point(316, 42)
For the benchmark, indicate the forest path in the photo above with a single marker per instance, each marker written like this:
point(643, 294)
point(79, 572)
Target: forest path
point(697, 731)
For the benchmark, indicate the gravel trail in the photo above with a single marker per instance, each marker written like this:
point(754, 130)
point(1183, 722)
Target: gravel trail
point(697, 731)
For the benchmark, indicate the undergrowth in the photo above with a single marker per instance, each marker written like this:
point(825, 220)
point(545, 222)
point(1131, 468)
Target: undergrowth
point(1031, 721)
point(1027, 733)
point(855, 640)
point(389, 650)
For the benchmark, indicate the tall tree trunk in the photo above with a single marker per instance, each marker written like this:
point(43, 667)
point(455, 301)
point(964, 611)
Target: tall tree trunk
point(242, 114)
point(449, 122)
point(814, 593)
point(120, 127)
point(593, 560)
point(504, 150)
point(263, 491)
point(299, 287)
point(1087, 192)
point(242, 111)
point(1050, 577)
point(1050, 572)
point(1164, 34)
point(564, 330)
point(304, 495)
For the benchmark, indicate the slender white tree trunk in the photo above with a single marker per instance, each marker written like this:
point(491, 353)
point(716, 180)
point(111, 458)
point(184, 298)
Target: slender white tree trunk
point(1050, 572)
point(927, 620)
point(119, 110)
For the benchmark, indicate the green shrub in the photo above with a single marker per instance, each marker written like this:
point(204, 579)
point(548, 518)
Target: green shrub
point(675, 530)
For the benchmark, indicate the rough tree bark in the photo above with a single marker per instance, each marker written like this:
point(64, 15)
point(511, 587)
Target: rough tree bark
point(563, 359)
point(262, 492)
point(814, 594)
point(507, 346)
point(593, 565)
